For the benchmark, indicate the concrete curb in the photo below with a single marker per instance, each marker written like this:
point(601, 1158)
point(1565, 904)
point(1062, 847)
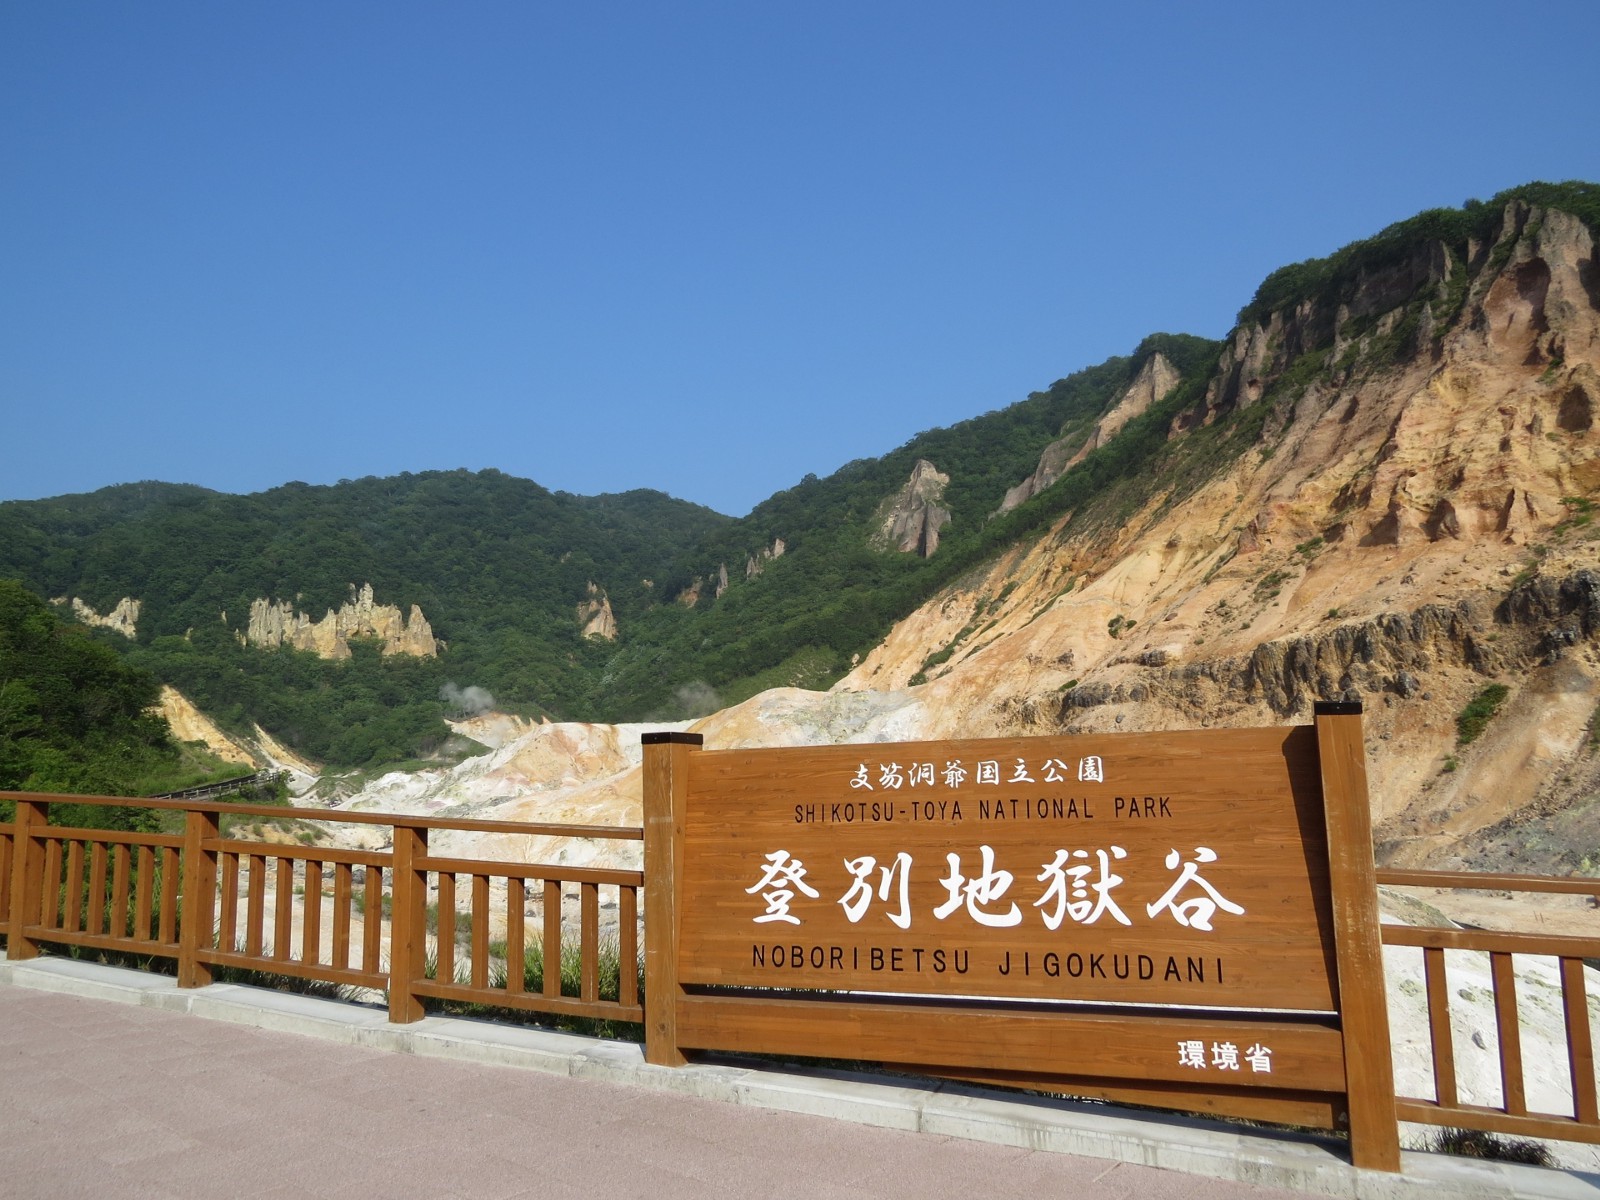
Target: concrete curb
point(1173, 1142)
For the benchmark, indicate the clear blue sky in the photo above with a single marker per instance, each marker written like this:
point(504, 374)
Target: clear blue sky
point(701, 247)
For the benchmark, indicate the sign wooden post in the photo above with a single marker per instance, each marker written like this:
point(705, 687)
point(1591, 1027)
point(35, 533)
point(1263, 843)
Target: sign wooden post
point(1363, 1003)
point(666, 797)
point(1183, 918)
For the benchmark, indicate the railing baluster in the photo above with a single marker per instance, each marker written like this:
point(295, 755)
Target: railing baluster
point(144, 894)
point(480, 931)
point(627, 944)
point(1510, 1030)
point(516, 934)
point(97, 887)
point(1580, 1040)
point(283, 909)
point(7, 851)
point(50, 892)
point(552, 937)
point(72, 905)
point(255, 903)
point(169, 896)
point(311, 914)
point(117, 922)
point(341, 915)
point(589, 940)
point(372, 924)
point(1444, 1053)
point(228, 919)
point(445, 929)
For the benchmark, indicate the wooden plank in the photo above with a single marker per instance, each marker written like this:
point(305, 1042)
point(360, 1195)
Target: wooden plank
point(255, 904)
point(480, 931)
point(296, 970)
point(73, 886)
point(1027, 860)
point(572, 1006)
point(516, 935)
point(1509, 1028)
point(102, 941)
point(550, 946)
point(1439, 1029)
point(7, 841)
point(228, 918)
point(1490, 881)
point(117, 920)
point(445, 929)
point(667, 759)
point(1311, 1110)
point(1139, 1048)
point(589, 941)
point(144, 895)
point(1580, 1040)
point(628, 945)
point(1472, 1116)
point(1491, 941)
point(503, 870)
point(372, 922)
point(311, 921)
point(197, 929)
point(283, 908)
point(112, 837)
point(168, 933)
point(408, 934)
point(50, 893)
point(95, 903)
point(354, 858)
point(1363, 1004)
point(341, 915)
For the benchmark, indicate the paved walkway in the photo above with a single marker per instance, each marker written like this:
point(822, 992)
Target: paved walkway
point(108, 1090)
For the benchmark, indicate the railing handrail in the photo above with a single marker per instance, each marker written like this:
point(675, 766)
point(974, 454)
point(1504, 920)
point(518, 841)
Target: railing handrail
point(624, 833)
point(1576, 885)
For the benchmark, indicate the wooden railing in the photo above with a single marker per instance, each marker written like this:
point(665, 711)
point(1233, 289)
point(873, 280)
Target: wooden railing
point(1513, 1114)
point(318, 913)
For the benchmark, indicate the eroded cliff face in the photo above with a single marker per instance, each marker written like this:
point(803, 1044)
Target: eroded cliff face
point(910, 520)
point(278, 623)
point(124, 618)
point(1392, 510)
point(595, 616)
point(1155, 379)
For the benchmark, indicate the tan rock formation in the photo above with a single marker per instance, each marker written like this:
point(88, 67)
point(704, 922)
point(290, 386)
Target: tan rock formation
point(910, 520)
point(124, 618)
point(595, 615)
point(758, 561)
point(1155, 379)
point(274, 624)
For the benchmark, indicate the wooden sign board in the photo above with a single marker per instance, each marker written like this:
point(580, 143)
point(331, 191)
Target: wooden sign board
point(1174, 869)
point(1185, 918)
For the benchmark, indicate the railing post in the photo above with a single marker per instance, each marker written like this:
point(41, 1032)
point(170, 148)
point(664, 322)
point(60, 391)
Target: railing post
point(408, 923)
point(1363, 1008)
point(27, 878)
point(197, 914)
point(666, 796)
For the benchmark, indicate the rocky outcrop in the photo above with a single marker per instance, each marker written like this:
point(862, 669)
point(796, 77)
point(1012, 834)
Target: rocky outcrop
point(1155, 379)
point(124, 618)
point(910, 520)
point(278, 623)
point(758, 561)
point(722, 581)
point(595, 615)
